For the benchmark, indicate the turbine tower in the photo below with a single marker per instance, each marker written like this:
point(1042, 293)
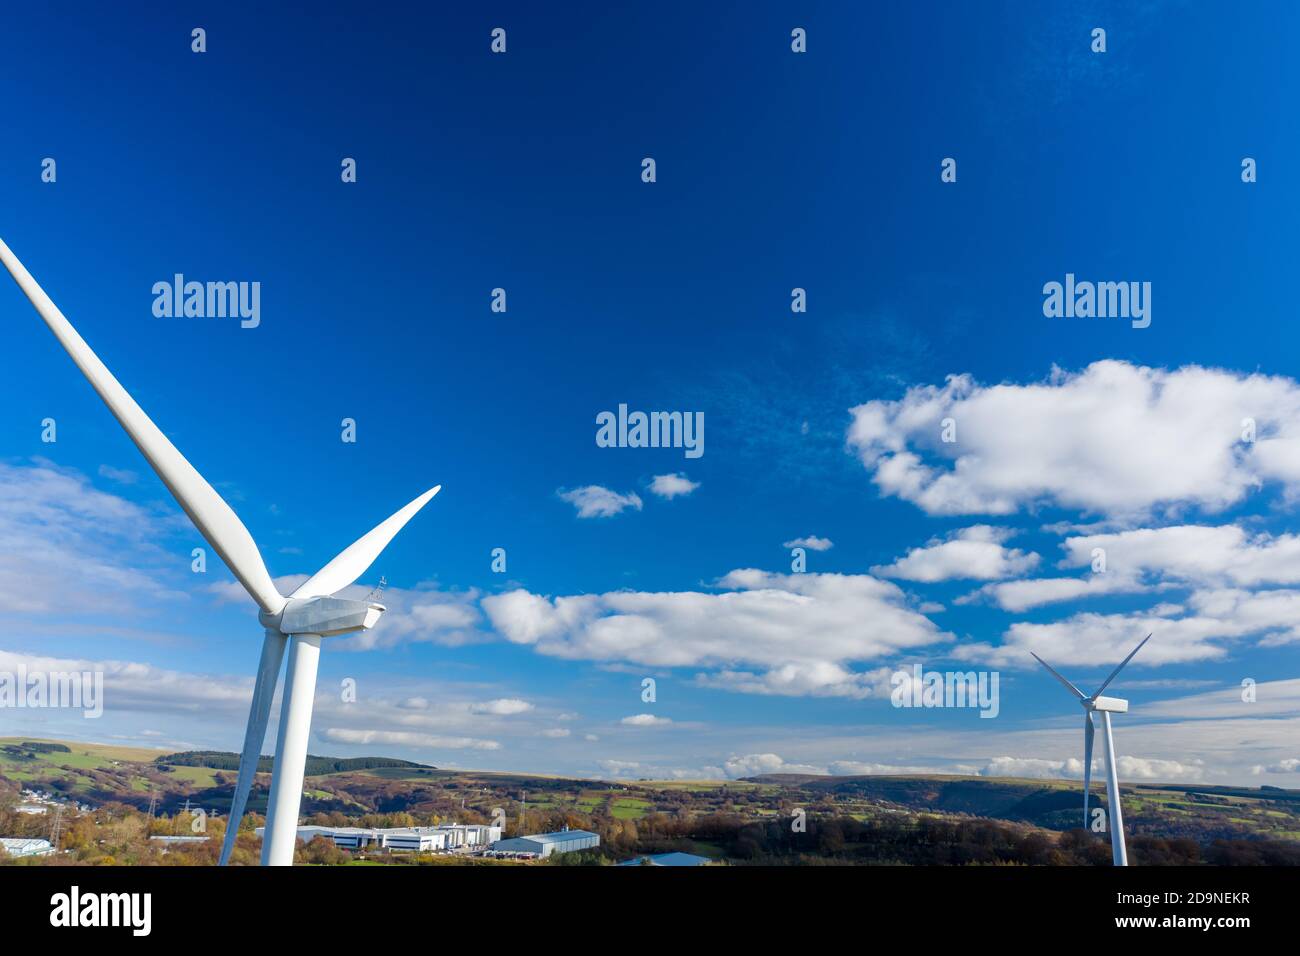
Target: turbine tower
point(1104, 706)
point(311, 612)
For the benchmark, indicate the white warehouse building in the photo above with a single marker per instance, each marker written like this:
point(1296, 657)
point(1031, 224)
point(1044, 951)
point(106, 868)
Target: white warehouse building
point(547, 844)
point(16, 847)
point(446, 836)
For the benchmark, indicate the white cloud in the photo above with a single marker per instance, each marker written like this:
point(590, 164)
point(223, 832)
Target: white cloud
point(1202, 629)
point(1019, 596)
point(139, 687)
point(423, 614)
point(646, 720)
point(502, 706)
point(1195, 553)
point(593, 501)
point(1035, 767)
point(971, 553)
point(1094, 641)
point(1130, 768)
point(813, 679)
point(753, 765)
point(1114, 439)
point(811, 542)
point(405, 738)
point(619, 768)
point(1290, 765)
point(1278, 698)
point(1149, 768)
point(556, 732)
point(1147, 559)
point(802, 631)
point(66, 548)
point(672, 486)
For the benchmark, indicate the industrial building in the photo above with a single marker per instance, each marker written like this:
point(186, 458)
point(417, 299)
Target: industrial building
point(21, 846)
point(548, 844)
point(438, 839)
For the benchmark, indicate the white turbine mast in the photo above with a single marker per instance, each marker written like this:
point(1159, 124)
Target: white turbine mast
point(1104, 706)
point(311, 612)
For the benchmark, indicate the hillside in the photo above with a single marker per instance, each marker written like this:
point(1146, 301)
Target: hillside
point(379, 791)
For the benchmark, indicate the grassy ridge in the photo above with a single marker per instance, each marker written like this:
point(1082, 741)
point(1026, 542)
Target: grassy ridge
point(316, 766)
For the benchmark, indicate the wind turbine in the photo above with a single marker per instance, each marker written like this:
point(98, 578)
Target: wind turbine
point(311, 612)
point(1104, 706)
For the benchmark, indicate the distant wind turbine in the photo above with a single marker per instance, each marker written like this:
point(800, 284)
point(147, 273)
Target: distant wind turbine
point(1104, 706)
point(302, 619)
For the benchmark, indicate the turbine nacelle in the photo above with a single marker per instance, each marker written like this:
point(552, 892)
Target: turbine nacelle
point(1111, 705)
point(323, 616)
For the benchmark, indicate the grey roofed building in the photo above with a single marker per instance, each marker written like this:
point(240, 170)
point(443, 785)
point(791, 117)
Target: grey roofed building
point(548, 844)
point(668, 859)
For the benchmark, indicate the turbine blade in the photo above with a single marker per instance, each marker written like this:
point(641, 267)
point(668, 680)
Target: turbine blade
point(218, 524)
point(268, 673)
point(1116, 671)
point(352, 562)
point(1089, 729)
point(1074, 690)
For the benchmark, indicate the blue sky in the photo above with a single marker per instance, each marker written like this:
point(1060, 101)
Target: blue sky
point(775, 170)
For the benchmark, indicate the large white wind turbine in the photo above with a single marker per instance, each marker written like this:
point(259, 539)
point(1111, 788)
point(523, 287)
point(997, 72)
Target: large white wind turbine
point(1104, 706)
point(302, 619)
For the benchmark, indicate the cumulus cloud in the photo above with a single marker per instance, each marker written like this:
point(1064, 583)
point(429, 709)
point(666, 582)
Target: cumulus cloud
point(593, 501)
point(406, 738)
point(753, 765)
point(672, 486)
point(1094, 640)
point(140, 687)
point(618, 768)
point(811, 542)
point(1152, 559)
point(502, 706)
point(1201, 629)
point(646, 720)
point(1129, 768)
point(972, 553)
point(1102, 440)
point(800, 631)
point(423, 614)
point(1195, 553)
point(813, 679)
point(1290, 765)
point(1030, 593)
